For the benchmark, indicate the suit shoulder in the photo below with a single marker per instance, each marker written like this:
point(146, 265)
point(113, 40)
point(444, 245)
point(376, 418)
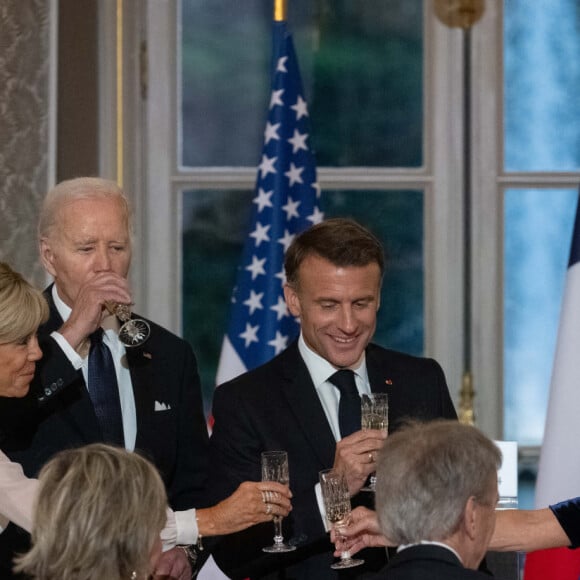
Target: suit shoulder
point(265, 376)
point(395, 357)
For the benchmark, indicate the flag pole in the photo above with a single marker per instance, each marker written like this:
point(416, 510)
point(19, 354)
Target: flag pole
point(279, 10)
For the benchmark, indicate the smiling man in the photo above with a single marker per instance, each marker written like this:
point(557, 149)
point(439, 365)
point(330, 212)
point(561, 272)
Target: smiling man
point(305, 401)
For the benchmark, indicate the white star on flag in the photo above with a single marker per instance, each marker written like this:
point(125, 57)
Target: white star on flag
point(291, 209)
point(267, 165)
point(276, 98)
point(298, 141)
point(280, 308)
point(271, 132)
point(294, 174)
point(254, 302)
point(256, 267)
point(281, 66)
point(263, 199)
point(316, 217)
point(260, 234)
point(279, 343)
point(286, 240)
point(301, 108)
point(249, 335)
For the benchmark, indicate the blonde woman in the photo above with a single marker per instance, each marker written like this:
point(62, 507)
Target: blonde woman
point(99, 513)
point(22, 310)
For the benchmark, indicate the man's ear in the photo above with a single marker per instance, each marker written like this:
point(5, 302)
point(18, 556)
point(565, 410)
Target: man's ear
point(47, 256)
point(292, 300)
point(470, 517)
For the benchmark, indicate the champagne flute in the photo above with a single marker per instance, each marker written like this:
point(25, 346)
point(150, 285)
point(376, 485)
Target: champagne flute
point(275, 468)
point(338, 512)
point(133, 331)
point(374, 415)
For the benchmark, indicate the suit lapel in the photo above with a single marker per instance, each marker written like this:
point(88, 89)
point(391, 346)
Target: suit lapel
point(377, 370)
point(306, 407)
point(139, 360)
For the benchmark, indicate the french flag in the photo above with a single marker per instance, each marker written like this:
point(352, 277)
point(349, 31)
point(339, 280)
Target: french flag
point(559, 470)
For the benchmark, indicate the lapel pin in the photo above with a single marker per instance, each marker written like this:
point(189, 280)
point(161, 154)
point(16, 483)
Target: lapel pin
point(388, 382)
point(147, 355)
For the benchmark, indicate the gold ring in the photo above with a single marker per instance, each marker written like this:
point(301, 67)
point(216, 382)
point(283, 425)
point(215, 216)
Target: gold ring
point(268, 509)
point(264, 496)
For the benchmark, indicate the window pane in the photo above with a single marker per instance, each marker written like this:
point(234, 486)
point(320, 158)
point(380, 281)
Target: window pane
point(538, 229)
point(541, 85)
point(214, 226)
point(362, 69)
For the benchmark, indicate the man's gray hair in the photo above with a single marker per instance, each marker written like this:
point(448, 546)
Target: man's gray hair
point(426, 473)
point(74, 189)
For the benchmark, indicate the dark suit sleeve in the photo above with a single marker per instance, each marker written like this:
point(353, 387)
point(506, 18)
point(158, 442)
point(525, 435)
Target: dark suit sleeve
point(238, 438)
point(187, 485)
point(447, 410)
point(54, 371)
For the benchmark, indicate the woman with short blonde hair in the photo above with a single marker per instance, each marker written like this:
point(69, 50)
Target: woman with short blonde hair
point(98, 516)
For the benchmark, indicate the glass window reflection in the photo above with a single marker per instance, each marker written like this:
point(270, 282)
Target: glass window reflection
point(538, 229)
point(362, 69)
point(541, 85)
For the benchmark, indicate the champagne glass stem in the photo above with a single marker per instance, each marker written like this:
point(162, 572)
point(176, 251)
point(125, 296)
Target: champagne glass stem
point(278, 537)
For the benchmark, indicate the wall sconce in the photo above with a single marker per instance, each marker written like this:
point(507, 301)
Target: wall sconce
point(459, 13)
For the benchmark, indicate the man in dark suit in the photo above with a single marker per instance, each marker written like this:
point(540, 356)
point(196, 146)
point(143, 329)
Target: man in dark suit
point(334, 272)
point(436, 498)
point(85, 244)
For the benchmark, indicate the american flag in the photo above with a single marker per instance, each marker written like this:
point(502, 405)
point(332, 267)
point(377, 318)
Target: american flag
point(286, 202)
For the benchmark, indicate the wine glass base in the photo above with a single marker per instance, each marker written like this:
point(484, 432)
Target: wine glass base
point(347, 563)
point(278, 548)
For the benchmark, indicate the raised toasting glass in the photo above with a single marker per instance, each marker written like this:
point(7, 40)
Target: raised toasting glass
point(374, 415)
point(338, 512)
point(275, 468)
point(133, 331)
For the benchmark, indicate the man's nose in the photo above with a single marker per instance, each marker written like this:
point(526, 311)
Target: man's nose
point(103, 260)
point(347, 319)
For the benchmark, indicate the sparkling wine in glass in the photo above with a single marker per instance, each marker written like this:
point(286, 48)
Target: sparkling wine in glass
point(275, 468)
point(374, 415)
point(338, 512)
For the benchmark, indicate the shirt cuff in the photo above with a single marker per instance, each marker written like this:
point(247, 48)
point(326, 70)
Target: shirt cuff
point(180, 529)
point(70, 353)
point(320, 501)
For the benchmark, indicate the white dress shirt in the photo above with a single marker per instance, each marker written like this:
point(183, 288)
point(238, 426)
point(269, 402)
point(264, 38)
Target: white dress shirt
point(320, 371)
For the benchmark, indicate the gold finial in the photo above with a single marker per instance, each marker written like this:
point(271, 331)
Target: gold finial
point(466, 396)
point(279, 10)
point(459, 13)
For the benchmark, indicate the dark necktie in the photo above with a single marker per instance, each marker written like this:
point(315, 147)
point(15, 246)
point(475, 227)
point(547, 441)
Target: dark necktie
point(349, 405)
point(104, 391)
